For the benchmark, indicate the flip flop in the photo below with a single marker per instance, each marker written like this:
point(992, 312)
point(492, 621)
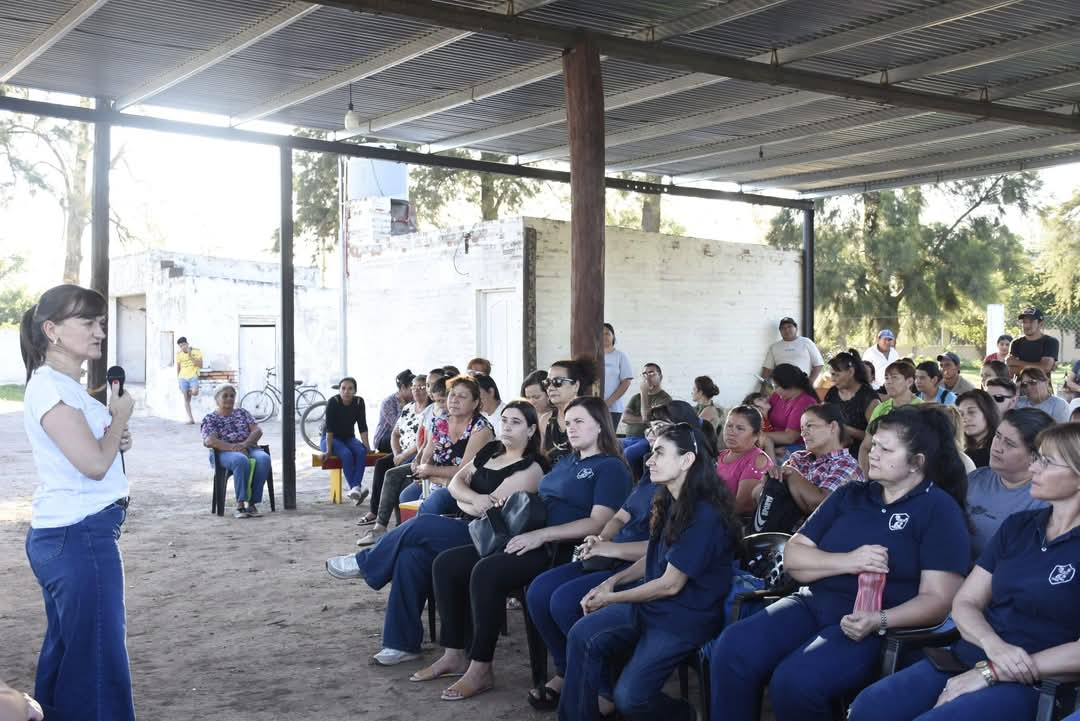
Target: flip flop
point(452, 694)
point(544, 698)
point(365, 521)
point(425, 674)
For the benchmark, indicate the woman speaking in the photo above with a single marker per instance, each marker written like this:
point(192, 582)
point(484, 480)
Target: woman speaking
point(79, 506)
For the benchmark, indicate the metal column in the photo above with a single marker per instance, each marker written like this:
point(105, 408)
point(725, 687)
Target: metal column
point(288, 339)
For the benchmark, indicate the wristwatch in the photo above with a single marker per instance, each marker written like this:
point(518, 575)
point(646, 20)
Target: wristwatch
point(883, 626)
point(983, 667)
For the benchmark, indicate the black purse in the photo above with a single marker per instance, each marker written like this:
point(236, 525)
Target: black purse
point(600, 563)
point(520, 513)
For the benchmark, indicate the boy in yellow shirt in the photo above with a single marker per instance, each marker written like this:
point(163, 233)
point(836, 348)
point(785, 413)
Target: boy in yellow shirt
point(188, 362)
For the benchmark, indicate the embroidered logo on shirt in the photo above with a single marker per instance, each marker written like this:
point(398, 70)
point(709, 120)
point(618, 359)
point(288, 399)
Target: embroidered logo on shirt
point(898, 521)
point(584, 473)
point(1062, 574)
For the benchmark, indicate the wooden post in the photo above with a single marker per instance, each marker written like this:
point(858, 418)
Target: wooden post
point(99, 241)
point(807, 328)
point(585, 128)
point(288, 340)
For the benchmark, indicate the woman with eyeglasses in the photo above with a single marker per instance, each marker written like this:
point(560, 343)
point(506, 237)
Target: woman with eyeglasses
point(979, 420)
point(898, 544)
point(580, 494)
point(1003, 488)
point(1016, 611)
point(854, 396)
point(566, 380)
point(1035, 392)
point(648, 628)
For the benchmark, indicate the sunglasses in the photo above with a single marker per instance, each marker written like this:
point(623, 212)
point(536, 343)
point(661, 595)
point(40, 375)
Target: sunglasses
point(557, 381)
point(1000, 399)
point(684, 426)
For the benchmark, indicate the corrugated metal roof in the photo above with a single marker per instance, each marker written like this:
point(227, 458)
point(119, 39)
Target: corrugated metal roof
point(128, 42)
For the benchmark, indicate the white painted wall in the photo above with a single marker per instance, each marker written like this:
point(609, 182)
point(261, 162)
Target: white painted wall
point(695, 306)
point(11, 366)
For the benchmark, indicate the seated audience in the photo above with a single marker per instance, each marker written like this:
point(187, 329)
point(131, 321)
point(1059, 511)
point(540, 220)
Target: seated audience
point(581, 494)
point(979, 419)
point(1004, 342)
point(741, 465)
point(566, 380)
point(345, 416)
point(1016, 612)
point(898, 379)
point(905, 530)
point(454, 440)
point(951, 379)
point(853, 396)
point(618, 375)
point(880, 355)
point(928, 383)
point(650, 395)
point(793, 349)
point(533, 389)
point(637, 633)
point(390, 409)
point(404, 441)
point(793, 395)
point(1002, 489)
point(234, 433)
point(1035, 349)
point(702, 395)
point(1035, 392)
point(405, 554)
point(993, 369)
point(1004, 393)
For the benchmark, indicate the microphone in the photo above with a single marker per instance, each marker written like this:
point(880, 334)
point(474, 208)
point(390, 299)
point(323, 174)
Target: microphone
point(116, 375)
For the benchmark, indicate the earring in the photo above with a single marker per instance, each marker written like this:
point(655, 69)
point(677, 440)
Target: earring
point(56, 340)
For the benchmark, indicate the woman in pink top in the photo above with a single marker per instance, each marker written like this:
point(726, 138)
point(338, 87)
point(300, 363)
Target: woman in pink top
point(742, 465)
point(793, 395)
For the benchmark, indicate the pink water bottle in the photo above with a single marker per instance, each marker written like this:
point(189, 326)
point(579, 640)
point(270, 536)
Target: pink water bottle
point(871, 589)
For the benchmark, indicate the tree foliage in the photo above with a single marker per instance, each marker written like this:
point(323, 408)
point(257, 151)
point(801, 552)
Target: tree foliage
point(432, 189)
point(14, 299)
point(1059, 269)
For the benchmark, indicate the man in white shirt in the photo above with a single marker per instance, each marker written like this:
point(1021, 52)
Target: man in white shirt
point(794, 349)
point(881, 355)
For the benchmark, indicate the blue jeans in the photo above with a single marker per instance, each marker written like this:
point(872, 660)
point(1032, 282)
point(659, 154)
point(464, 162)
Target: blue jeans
point(911, 694)
point(82, 672)
point(237, 463)
point(404, 556)
point(411, 492)
point(554, 603)
point(439, 502)
point(810, 661)
point(602, 639)
point(353, 455)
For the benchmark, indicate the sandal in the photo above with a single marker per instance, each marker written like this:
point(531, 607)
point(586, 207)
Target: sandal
point(544, 698)
point(367, 520)
point(425, 674)
point(462, 692)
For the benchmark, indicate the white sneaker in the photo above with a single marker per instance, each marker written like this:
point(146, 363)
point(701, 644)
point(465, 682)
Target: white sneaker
point(343, 566)
point(371, 537)
point(357, 494)
point(392, 657)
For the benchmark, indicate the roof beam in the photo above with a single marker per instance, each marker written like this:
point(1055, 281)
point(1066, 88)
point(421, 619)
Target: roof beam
point(524, 75)
point(403, 53)
point(239, 42)
point(925, 162)
point(809, 130)
point(52, 35)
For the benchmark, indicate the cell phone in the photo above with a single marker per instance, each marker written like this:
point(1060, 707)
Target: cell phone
point(944, 660)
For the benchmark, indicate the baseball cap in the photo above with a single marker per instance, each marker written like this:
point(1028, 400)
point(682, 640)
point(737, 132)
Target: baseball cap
point(1031, 312)
point(789, 320)
point(181, 340)
point(886, 333)
point(949, 356)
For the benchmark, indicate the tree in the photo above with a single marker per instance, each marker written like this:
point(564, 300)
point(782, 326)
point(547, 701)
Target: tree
point(1059, 271)
point(876, 260)
point(14, 300)
point(432, 189)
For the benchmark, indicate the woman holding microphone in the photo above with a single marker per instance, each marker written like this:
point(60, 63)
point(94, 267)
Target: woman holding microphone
point(79, 506)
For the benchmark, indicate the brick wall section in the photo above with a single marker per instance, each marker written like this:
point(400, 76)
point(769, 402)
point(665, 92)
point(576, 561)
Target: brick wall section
point(695, 306)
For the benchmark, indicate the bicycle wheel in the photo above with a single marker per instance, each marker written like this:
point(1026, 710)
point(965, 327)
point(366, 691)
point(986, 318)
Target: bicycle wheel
point(307, 398)
point(259, 404)
point(311, 424)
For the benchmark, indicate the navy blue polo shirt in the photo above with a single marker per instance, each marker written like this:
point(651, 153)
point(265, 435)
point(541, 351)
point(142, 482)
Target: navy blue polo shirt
point(924, 531)
point(575, 485)
point(639, 506)
point(1035, 588)
point(704, 554)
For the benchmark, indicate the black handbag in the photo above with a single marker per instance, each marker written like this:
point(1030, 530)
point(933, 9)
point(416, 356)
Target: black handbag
point(600, 563)
point(520, 513)
point(776, 509)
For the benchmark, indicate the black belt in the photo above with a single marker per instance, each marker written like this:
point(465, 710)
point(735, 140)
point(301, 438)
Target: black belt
point(122, 502)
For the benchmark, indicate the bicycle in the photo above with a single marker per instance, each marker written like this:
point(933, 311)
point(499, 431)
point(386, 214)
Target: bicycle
point(263, 404)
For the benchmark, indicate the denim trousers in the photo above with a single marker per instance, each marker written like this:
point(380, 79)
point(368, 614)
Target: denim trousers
point(598, 643)
point(911, 694)
point(82, 672)
point(440, 502)
point(353, 455)
point(411, 492)
point(805, 659)
point(554, 603)
point(404, 556)
point(237, 463)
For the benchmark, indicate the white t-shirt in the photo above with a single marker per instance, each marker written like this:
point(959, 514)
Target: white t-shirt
point(881, 362)
point(495, 417)
point(616, 370)
point(64, 496)
point(801, 353)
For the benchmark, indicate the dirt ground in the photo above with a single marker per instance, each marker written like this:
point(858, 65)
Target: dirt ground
point(235, 619)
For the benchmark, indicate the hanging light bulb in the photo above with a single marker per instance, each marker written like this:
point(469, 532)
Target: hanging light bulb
point(352, 118)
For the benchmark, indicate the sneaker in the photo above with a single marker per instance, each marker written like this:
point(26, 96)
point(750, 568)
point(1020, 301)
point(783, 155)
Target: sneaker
point(392, 657)
point(371, 537)
point(343, 567)
point(253, 510)
point(241, 512)
point(357, 494)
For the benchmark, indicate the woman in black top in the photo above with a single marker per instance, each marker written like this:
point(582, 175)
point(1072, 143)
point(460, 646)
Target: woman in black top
point(405, 555)
point(566, 380)
point(853, 394)
point(344, 413)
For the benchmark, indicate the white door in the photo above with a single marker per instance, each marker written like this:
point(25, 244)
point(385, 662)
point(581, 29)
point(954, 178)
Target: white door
point(499, 338)
point(258, 351)
point(131, 337)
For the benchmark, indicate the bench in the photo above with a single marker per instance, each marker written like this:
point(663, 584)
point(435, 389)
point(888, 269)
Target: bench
point(333, 464)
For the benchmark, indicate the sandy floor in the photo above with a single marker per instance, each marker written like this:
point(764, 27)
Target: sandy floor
point(234, 619)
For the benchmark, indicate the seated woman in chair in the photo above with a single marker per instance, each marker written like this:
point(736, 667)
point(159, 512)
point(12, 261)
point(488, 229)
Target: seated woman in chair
point(1016, 612)
point(905, 530)
point(234, 433)
point(686, 574)
point(405, 554)
point(581, 494)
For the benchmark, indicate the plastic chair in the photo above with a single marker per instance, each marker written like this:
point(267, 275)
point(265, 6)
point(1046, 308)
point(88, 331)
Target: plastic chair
point(221, 475)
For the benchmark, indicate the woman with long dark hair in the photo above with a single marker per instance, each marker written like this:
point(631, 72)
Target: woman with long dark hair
point(853, 395)
point(685, 574)
point(566, 380)
point(979, 420)
point(793, 395)
point(80, 505)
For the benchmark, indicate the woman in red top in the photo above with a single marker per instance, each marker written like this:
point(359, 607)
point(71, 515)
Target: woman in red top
point(793, 395)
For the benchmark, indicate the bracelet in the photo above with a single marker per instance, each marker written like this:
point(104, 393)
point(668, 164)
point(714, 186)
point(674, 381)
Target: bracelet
point(990, 665)
point(983, 667)
point(883, 625)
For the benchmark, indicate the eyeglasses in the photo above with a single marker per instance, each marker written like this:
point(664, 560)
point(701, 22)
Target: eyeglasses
point(1043, 462)
point(422, 387)
point(557, 381)
point(649, 374)
point(1000, 399)
point(666, 426)
point(658, 427)
point(1028, 384)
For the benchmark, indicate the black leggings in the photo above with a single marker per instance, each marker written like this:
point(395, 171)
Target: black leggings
point(471, 592)
point(382, 465)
